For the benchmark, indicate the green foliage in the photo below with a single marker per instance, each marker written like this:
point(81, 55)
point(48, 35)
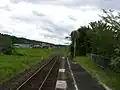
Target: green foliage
point(115, 64)
point(8, 50)
point(79, 37)
point(11, 65)
point(6, 46)
point(114, 21)
point(110, 78)
point(100, 37)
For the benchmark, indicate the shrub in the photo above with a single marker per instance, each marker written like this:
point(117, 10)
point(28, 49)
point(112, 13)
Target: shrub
point(115, 64)
point(8, 50)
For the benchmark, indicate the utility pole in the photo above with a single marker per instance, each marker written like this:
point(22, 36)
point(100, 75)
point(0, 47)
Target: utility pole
point(76, 36)
point(74, 49)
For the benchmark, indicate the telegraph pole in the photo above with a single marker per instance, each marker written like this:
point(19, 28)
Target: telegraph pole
point(76, 36)
point(74, 49)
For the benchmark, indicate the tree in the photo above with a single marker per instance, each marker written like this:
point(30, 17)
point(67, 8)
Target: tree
point(6, 45)
point(114, 21)
point(79, 39)
point(102, 38)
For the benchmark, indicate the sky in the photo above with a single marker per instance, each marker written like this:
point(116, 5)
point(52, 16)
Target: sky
point(49, 20)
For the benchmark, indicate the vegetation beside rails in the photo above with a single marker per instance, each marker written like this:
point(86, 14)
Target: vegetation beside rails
point(107, 77)
point(25, 58)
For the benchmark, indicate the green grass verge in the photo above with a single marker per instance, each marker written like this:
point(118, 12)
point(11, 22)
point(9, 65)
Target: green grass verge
point(35, 52)
point(107, 77)
point(10, 65)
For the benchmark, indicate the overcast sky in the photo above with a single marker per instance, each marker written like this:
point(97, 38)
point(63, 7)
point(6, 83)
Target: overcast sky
point(49, 20)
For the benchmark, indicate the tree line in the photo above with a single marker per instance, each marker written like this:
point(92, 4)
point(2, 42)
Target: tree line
point(7, 43)
point(100, 37)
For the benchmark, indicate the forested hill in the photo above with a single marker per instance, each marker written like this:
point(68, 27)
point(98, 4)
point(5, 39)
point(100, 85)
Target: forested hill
point(18, 40)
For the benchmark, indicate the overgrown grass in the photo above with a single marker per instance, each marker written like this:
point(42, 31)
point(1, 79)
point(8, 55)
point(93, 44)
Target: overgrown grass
point(35, 52)
point(64, 50)
point(107, 77)
point(13, 64)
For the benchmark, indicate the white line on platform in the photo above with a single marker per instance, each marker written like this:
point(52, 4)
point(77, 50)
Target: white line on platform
point(61, 84)
point(62, 70)
point(63, 57)
point(105, 86)
point(75, 84)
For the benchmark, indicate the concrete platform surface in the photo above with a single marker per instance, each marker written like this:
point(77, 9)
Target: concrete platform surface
point(83, 79)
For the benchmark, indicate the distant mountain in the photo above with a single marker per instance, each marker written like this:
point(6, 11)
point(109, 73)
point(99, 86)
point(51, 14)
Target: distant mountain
point(20, 40)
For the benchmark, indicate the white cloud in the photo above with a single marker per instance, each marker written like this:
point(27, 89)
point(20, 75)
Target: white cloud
point(44, 21)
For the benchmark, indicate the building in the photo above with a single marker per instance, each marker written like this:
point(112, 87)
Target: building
point(22, 46)
point(36, 46)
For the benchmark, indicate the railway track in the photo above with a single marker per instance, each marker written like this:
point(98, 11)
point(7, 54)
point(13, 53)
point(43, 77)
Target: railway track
point(44, 78)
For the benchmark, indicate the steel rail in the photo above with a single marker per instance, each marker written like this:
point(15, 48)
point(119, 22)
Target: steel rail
point(35, 73)
point(48, 75)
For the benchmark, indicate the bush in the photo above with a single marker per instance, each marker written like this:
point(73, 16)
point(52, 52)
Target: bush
point(11, 51)
point(8, 50)
point(115, 64)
